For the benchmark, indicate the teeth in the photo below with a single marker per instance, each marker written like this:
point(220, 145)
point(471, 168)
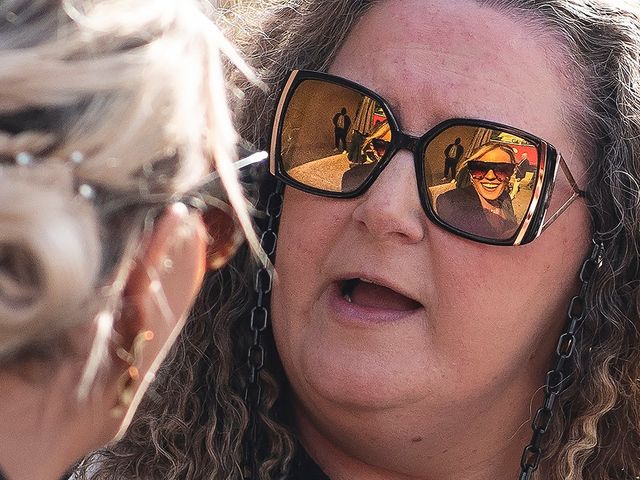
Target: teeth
point(365, 280)
point(347, 297)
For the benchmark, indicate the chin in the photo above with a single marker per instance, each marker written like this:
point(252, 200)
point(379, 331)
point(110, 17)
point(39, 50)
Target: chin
point(492, 195)
point(355, 379)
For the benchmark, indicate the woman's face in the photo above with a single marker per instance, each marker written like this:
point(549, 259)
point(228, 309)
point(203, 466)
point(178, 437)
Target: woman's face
point(490, 181)
point(441, 342)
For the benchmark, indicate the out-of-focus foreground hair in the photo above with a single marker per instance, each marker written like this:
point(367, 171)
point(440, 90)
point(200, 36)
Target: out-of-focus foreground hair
point(596, 431)
point(106, 107)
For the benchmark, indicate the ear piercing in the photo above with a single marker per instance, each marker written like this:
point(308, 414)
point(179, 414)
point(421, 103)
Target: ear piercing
point(126, 386)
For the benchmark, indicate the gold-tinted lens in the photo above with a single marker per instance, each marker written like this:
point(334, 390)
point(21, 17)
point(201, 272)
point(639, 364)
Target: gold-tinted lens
point(332, 136)
point(481, 180)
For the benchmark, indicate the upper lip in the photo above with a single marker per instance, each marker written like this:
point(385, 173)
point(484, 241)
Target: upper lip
point(378, 280)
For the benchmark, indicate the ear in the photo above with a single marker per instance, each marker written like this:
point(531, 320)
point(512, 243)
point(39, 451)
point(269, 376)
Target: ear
point(166, 276)
point(160, 291)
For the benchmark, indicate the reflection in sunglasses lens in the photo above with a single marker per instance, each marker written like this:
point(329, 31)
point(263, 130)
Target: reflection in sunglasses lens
point(479, 169)
point(332, 136)
point(480, 180)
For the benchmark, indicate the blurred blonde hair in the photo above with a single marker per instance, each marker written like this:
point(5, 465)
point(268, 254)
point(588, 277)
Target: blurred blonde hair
point(107, 96)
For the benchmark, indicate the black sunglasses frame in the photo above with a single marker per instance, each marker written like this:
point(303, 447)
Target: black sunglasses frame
point(533, 222)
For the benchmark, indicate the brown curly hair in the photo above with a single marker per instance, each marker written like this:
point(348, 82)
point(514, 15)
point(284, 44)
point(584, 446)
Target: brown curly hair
point(194, 426)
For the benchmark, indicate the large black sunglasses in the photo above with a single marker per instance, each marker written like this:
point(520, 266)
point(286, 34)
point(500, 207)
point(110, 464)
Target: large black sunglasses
point(481, 180)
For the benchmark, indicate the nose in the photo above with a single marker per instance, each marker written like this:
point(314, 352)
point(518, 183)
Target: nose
point(491, 175)
point(390, 209)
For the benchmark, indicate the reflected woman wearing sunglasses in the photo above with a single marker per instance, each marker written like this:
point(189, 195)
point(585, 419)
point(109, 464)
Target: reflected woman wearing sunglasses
point(480, 201)
point(398, 344)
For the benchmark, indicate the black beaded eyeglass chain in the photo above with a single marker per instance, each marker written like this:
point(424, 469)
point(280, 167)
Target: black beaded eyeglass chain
point(258, 324)
point(556, 380)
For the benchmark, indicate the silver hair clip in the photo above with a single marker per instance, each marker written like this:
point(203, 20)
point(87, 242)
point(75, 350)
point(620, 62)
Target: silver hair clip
point(86, 191)
point(77, 157)
point(24, 159)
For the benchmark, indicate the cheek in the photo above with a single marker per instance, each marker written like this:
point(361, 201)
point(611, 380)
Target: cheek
point(307, 230)
point(508, 304)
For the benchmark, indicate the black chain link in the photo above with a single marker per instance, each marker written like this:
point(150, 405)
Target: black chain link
point(258, 324)
point(555, 382)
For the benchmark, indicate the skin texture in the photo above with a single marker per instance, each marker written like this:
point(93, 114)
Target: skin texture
point(442, 391)
point(63, 431)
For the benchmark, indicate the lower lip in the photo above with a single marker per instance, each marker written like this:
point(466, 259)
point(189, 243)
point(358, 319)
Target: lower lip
point(350, 313)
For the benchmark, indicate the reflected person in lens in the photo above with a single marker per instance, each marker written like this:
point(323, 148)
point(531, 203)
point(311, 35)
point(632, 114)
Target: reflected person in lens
point(372, 150)
point(481, 202)
point(399, 347)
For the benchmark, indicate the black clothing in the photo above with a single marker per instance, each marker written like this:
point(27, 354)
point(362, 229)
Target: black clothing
point(304, 468)
point(355, 151)
point(341, 123)
point(340, 139)
point(461, 208)
point(355, 176)
point(452, 155)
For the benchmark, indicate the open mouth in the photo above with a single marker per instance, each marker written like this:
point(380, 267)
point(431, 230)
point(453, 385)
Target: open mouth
point(365, 293)
point(490, 186)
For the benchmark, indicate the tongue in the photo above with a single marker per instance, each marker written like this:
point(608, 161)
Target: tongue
point(377, 296)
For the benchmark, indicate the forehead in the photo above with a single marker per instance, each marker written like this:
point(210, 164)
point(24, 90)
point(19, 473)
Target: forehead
point(434, 60)
point(495, 156)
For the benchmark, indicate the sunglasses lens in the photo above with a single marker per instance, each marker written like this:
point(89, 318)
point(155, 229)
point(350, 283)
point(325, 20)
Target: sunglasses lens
point(332, 136)
point(502, 171)
point(481, 180)
point(225, 236)
point(477, 180)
